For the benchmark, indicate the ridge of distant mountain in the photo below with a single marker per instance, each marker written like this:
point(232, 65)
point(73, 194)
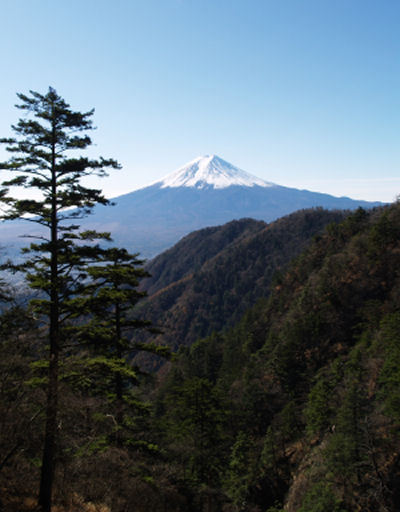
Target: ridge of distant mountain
point(206, 192)
point(211, 277)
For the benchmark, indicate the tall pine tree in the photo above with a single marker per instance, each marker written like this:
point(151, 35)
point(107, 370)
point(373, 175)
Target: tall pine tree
point(42, 160)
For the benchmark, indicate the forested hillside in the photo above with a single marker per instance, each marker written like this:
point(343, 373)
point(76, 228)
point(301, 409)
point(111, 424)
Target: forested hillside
point(298, 405)
point(208, 280)
point(189, 255)
point(294, 408)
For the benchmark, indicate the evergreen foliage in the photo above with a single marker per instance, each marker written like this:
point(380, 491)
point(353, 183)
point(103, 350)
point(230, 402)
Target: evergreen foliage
point(320, 498)
point(209, 279)
point(310, 378)
point(110, 294)
point(42, 160)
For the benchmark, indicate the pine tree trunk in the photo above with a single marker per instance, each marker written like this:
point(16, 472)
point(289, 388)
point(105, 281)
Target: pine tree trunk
point(49, 450)
point(48, 459)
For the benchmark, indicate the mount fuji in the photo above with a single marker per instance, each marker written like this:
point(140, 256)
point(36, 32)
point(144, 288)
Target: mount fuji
point(210, 171)
point(208, 191)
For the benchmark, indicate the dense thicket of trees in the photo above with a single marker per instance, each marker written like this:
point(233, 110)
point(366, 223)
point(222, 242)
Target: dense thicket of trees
point(296, 406)
point(307, 383)
point(209, 279)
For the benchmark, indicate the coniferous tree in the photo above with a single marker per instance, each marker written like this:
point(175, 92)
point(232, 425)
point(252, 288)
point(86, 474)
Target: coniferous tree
point(108, 301)
point(42, 160)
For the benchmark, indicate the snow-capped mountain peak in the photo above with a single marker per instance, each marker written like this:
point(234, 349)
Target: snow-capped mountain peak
point(212, 172)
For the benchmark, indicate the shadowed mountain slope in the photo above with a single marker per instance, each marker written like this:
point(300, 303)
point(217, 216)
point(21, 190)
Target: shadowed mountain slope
point(301, 397)
point(208, 280)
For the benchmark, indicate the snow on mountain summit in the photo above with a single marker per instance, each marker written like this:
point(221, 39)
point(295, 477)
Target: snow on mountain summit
point(210, 171)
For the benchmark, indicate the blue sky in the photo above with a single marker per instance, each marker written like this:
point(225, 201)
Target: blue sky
point(303, 93)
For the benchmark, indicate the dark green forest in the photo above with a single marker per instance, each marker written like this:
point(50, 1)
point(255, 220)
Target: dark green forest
point(296, 406)
point(291, 402)
point(206, 282)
